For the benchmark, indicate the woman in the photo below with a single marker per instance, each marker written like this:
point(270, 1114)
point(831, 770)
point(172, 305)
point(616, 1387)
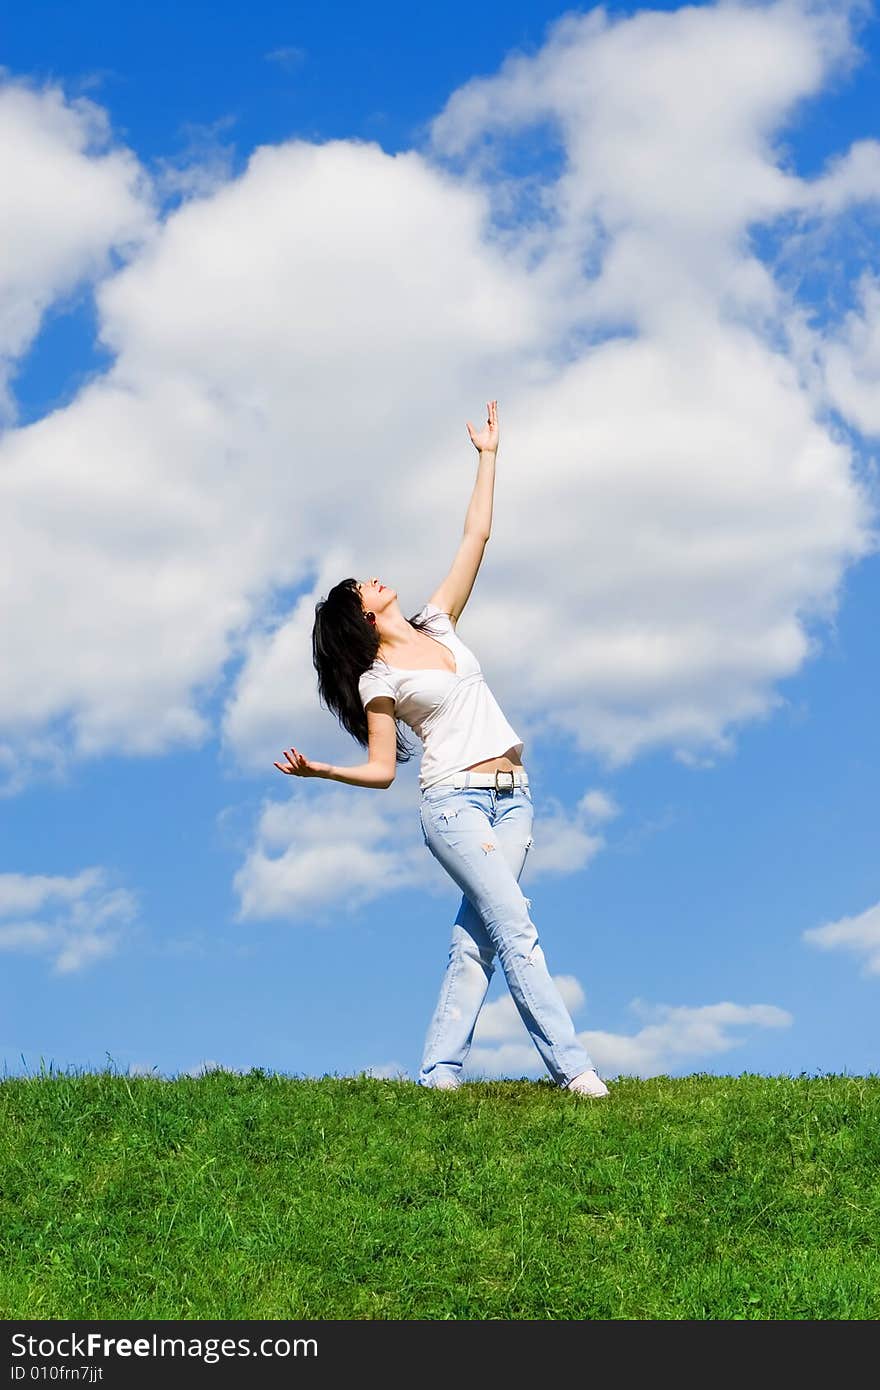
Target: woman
point(376, 667)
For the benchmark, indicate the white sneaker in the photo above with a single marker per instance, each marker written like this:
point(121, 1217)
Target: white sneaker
point(589, 1083)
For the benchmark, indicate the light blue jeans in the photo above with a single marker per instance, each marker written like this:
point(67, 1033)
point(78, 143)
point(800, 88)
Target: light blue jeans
point(481, 837)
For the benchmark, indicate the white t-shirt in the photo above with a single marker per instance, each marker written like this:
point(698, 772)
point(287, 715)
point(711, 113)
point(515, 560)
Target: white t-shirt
point(455, 714)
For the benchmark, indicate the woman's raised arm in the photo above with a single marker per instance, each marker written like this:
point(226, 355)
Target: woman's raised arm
point(454, 592)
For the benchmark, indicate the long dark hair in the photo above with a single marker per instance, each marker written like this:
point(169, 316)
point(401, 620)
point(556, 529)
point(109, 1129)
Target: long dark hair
point(344, 645)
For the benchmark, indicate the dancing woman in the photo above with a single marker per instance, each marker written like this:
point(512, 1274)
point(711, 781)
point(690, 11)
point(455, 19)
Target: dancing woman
point(376, 667)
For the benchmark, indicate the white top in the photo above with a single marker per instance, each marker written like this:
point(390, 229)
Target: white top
point(455, 714)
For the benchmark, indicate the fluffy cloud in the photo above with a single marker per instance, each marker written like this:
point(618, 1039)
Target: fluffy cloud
point(598, 806)
point(314, 853)
point(295, 353)
point(566, 843)
point(74, 920)
point(860, 935)
point(332, 847)
point(670, 1038)
point(678, 1036)
point(852, 359)
point(268, 361)
point(70, 197)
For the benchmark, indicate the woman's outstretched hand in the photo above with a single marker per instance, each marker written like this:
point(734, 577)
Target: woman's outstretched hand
point(487, 440)
point(298, 765)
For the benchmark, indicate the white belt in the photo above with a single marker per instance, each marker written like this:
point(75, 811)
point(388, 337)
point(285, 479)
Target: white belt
point(508, 780)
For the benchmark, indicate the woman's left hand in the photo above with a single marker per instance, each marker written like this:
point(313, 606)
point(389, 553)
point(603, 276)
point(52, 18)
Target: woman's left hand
point(487, 440)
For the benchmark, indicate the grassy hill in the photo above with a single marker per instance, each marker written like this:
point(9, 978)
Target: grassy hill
point(264, 1196)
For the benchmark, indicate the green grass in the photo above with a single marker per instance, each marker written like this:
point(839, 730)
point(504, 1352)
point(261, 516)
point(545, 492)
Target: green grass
point(263, 1196)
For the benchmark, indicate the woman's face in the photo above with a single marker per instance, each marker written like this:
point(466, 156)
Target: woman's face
point(374, 595)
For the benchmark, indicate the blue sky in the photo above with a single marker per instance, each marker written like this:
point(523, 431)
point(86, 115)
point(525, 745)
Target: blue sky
point(234, 379)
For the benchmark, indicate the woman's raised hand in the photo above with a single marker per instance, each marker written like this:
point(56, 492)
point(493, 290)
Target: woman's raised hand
point(487, 440)
point(298, 765)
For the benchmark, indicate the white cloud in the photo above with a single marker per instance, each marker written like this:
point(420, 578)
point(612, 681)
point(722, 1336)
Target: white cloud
point(31, 892)
point(680, 1036)
point(296, 351)
point(598, 806)
point(672, 1037)
point(319, 853)
point(853, 177)
point(563, 843)
point(154, 516)
point(82, 919)
point(331, 847)
point(70, 196)
point(203, 164)
point(859, 935)
point(852, 359)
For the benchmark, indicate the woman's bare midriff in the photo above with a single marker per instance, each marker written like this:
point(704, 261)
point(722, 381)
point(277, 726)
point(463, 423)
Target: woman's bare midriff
point(506, 763)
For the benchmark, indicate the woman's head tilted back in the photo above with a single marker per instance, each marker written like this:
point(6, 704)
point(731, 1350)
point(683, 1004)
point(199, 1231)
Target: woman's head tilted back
point(344, 645)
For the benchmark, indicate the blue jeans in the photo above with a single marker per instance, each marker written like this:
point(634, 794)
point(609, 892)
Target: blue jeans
point(481, 837)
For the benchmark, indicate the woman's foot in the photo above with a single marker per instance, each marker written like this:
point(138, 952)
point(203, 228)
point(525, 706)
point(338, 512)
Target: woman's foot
point(589, 1083)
